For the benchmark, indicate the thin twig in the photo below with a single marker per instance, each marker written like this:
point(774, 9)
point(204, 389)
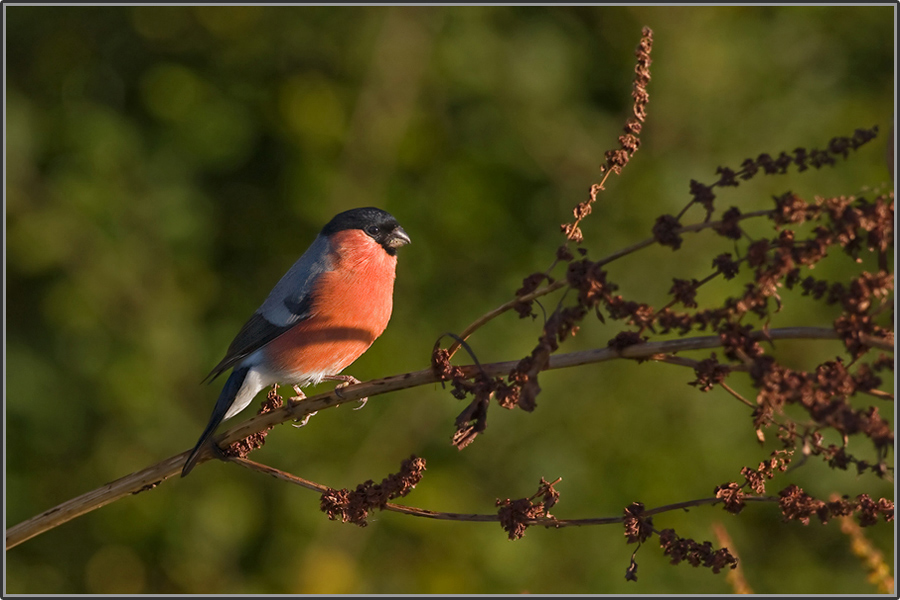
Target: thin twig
point(736, 395)
point(483, 518)
point(693, 364)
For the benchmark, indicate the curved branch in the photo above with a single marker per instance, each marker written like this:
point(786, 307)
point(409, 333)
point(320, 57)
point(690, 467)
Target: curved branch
point(152, 476)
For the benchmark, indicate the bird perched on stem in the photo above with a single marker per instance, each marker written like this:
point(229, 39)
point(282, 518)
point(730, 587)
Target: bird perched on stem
point(324, 314)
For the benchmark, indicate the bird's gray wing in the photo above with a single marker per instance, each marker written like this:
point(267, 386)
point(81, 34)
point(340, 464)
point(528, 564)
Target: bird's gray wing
point(289, 303)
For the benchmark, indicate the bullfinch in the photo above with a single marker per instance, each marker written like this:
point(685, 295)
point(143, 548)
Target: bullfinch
point(323, 314)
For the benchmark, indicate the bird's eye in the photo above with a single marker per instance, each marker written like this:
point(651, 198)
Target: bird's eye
point(372, 230)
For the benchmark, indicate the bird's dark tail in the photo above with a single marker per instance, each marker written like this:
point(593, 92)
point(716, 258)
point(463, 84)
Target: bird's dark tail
point(226, 399)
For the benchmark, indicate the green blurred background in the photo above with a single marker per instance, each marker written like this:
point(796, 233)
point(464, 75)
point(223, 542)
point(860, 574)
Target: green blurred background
point(167, 164)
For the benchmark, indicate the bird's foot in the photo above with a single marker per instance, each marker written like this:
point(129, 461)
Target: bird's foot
point(346, 380)
point(294, 400)
point(300, 396)
point(304, 421)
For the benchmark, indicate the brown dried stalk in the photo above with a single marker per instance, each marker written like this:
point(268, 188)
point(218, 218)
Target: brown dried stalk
point(493, 517)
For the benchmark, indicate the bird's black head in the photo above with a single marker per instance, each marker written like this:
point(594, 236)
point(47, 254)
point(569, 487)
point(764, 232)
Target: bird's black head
point(376, 223)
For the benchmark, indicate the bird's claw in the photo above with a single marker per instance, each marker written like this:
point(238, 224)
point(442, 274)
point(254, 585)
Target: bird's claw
point(345, 381)
point(296, 400)
point(340, 394)
point(300, 396)
point(304, 421)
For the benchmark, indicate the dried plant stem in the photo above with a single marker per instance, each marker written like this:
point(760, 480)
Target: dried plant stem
point(152, 476)
point(317, 487)
point(490, 316)
point(486, 518)
point(595, 189)
point(557, 285)
point(740, 398)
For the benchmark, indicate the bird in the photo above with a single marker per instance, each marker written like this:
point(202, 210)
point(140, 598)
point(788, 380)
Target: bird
point(322, 315)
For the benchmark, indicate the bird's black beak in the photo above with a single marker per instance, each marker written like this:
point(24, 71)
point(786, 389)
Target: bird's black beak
point(398, 238)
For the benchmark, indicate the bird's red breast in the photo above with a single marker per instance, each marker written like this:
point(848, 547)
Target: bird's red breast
point(351, 307)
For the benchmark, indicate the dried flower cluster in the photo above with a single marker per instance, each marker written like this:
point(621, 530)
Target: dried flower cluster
point(629, 142)
point(473, 419)
point(795, 503)
point(823, 394)
point(710, 373)
point(517, 515)
point(242, 448)
point(680, 549)
point(799, 506)
point(354, 507)
point(733, 494)
point(639, 528)
point(840, 146)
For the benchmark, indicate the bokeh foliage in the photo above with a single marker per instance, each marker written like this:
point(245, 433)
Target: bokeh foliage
point(165, 165)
